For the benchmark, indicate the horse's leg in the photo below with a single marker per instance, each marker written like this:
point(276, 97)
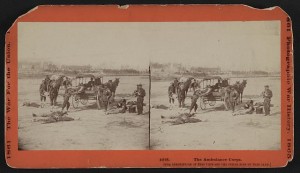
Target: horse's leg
point(242, 97)
point(55, 98)
point(51, 100)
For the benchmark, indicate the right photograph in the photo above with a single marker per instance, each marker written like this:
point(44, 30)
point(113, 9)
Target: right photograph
point(216, 86)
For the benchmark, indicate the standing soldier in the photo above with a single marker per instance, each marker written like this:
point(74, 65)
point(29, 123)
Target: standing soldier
point(106, 94)
point(66, 84)
point(181, 95)
point(171, 92)
point(66, 102)
point(233, 96)
point(43, 90)
point(227, 98)
point(267, 95)
point(194, 102)
point(176, 84)
point(140, 93)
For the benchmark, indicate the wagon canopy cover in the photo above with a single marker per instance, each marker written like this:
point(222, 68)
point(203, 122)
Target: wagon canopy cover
point(88, 76)
point(56, 76)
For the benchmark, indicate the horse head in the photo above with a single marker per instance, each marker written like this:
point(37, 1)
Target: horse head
point(244, 82)
point(117, 80)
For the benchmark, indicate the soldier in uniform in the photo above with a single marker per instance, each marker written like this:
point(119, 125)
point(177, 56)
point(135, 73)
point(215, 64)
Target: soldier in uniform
point(67, 83)
point(226, 98)
point(194, 102)
point(233, 96)
point(66, 102)
point(106, 94)
point(121, 107)
point(267, 95)
point(171, 91)
point(140, 93)
point(181, 95)
point(43, 90)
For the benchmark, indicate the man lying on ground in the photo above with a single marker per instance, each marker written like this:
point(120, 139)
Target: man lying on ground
point(181, 119)
point(52, 117)
point(119, 108)
point(248, 108)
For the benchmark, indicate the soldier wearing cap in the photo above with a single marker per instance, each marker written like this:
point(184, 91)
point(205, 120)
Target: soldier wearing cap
point(140, 93)
point(181, 94)
point(106, 94)
point(227, 98)
point(267, 95)
point(233, 96)
point(194, 102)
point(66, 103)
point(171, 91)
point(43, 90)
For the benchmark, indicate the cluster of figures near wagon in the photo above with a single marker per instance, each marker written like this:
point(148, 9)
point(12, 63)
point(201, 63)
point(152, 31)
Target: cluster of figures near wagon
point(90, 87)
point(212, 89)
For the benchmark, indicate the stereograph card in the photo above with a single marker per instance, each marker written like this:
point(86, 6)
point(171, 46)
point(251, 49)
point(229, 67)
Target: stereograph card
point(175, 86)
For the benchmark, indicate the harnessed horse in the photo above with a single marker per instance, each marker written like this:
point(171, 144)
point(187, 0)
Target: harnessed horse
point(53, 88)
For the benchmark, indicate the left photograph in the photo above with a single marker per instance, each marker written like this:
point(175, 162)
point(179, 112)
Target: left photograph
point(82, 86)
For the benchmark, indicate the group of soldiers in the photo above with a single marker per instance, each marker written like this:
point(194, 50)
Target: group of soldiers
point(106, 95)
point(230, 98)
point(175, 91)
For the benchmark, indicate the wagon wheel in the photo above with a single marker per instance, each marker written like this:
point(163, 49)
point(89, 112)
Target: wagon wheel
point(203, 104)
point(75, 100)
point(212, 102)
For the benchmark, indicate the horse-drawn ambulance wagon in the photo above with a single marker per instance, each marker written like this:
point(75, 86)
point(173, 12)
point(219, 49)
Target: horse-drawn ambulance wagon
point(212, 89)
point(86, 87)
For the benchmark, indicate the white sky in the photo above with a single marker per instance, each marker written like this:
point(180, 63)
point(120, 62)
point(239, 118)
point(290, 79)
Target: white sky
point(229, 45)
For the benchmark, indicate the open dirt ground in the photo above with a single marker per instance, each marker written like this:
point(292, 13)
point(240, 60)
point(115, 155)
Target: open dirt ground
point(218, 129)
point(91, 128)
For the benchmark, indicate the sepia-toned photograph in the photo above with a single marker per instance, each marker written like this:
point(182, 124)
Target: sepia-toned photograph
point(215, 86)
point(149, 86)
point(158, 85)
point(82, 86)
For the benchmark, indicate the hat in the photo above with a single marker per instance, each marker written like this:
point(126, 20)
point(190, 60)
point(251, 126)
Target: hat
point(267, 86)
point(139, 85)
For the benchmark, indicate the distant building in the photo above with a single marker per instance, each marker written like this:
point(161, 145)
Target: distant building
point(206, 69)
point(78, 68)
